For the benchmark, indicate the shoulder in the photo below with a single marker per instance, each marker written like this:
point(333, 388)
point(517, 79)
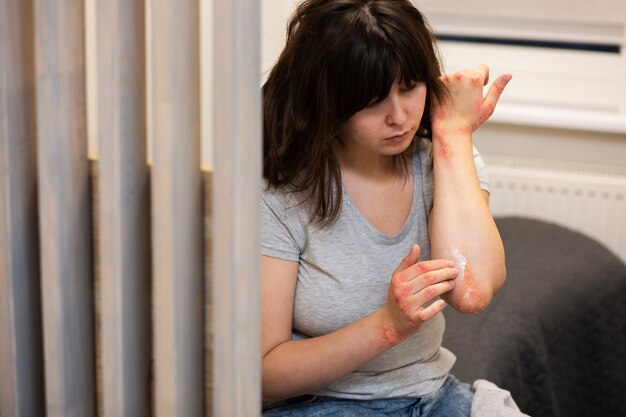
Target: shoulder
point(283, 222)
point(282, 199)
point(283, 205)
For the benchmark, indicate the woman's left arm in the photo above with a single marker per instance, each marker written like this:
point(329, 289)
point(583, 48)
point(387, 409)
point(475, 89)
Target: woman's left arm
point(461, 227)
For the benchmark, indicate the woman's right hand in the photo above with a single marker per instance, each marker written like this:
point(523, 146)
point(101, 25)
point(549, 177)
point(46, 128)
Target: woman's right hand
point(413, 285)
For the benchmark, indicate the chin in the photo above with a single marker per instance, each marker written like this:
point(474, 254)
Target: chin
point(398, 148)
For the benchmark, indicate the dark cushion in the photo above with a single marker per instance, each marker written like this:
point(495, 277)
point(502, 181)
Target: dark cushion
point(555, 334)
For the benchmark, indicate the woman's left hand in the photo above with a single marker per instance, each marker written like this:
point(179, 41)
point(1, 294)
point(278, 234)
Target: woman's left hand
point(466, 108)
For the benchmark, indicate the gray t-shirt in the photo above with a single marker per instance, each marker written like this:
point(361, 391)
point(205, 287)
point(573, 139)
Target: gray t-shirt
point(343, 275)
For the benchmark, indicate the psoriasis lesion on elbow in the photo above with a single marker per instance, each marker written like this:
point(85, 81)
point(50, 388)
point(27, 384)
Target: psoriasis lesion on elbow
point(471, 299)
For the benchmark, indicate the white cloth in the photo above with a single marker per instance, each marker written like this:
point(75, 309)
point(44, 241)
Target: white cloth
point(492, 401)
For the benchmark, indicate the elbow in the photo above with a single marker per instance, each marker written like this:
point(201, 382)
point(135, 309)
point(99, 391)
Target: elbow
point(268, 395)
point(468, 300)
point(272, 382)
point(474, 301)
point(268, 399)
point(501, 278)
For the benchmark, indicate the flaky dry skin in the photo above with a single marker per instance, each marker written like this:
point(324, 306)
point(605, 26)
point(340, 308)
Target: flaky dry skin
point(390, 336)
point(473, 300)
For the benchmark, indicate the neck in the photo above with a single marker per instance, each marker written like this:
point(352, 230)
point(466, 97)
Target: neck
point(370, 164)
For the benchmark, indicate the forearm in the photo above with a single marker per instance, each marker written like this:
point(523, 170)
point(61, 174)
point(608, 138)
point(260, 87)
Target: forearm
point(297, 367)
point(461, 221)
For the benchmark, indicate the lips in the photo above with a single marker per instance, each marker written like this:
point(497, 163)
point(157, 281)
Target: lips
point(399, 137)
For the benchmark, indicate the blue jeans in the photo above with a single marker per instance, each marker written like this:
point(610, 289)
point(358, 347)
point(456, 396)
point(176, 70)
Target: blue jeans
point(453, 399)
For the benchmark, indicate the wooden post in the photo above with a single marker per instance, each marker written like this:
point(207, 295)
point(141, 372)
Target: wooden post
point(21, 352)
point(64, 209)
point(123, 212)
point(236, 288)
point(177, 209)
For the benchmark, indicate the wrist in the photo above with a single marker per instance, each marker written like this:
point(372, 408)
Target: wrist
point(446, 146)
point(451, 134)
point(394, 328)
point(388, 332)
point(442, 126)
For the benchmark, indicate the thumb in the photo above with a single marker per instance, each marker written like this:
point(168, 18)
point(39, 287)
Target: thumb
point(496, 89)
point(410, 259)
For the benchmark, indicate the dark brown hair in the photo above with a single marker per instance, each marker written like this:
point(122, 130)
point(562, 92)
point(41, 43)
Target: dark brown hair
point(340, 55)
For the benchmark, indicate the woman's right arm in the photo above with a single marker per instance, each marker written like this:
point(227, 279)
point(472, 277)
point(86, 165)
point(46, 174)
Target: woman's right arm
point(295, 367)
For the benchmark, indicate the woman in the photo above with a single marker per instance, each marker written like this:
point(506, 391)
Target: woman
point(374, 214)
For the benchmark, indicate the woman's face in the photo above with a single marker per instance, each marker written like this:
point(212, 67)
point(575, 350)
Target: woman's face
point(387, 127)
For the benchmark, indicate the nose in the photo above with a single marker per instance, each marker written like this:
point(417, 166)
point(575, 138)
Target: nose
point(396, 112)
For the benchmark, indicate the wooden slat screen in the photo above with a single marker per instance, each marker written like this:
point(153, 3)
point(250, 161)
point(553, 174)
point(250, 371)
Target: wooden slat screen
point(123, 212)
point(123, 290)
point(237, 129)
point(21, 337)
point(176, 209)
point(64, 209)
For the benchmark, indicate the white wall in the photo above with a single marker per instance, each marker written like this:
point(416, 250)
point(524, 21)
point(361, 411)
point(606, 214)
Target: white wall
point(561, 104)
point(274, 17)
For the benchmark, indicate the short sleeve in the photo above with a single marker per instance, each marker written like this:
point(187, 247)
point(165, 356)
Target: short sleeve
point(282, 235)
point(481, 170)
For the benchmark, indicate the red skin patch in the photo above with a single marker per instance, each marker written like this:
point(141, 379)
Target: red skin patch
point(406, 307)
point(472, 296)
point(402, 292)
point(444, 153)
point(390, 336)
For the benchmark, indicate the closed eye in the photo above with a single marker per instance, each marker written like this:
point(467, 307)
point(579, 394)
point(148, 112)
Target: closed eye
point(408, 87)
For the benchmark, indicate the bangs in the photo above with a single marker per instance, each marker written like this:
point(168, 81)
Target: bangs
point(367, 66)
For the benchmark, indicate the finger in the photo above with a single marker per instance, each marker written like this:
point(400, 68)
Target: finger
point(410, 259)
point(496, 89)
point(432, 291)
point(483, 70)
point(432, 310)
point(426, 266)
point(433, 277)
point(413, 303)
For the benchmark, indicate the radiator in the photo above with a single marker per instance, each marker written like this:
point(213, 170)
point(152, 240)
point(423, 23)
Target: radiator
point(588, 199)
